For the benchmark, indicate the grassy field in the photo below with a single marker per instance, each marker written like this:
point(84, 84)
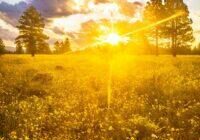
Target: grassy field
point(67, 97)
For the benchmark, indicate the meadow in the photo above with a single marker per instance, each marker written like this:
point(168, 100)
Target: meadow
point(65, 97)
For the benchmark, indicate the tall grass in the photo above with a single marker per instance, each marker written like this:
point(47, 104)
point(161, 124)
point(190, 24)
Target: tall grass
point(65, 97)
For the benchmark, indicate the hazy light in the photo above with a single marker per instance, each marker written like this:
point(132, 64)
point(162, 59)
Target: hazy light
point(113, 39)
point(156, 23)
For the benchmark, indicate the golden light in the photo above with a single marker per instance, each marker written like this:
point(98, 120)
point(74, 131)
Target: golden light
point(156, 23)
point(78, 4)
point(113, 38)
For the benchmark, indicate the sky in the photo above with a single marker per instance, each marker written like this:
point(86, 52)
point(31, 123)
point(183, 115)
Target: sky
point(66, 18)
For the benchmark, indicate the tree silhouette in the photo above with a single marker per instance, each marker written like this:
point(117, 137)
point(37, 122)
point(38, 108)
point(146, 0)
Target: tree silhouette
point(66, 46)
point(152, 14)
point(57, 47)
point(62, 47)
point(179, 30)
point(31, 25)
point(43, 48)
point(2, 47)
point(19, 47)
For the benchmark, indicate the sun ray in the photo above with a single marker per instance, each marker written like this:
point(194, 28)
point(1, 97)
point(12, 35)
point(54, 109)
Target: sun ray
point(109, 86)
point(114, 39)
point(155, 24)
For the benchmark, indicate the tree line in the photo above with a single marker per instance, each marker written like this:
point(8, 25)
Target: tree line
point(177, 32)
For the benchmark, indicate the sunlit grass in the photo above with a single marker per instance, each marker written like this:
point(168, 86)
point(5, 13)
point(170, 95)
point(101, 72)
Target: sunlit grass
point(66, 97)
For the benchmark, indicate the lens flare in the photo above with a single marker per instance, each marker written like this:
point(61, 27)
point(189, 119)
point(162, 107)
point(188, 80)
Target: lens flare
point(112, 38)
point(156, 23)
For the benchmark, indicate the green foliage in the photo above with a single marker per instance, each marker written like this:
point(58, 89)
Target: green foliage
point(31, 25)
point(38, 102)
point(2, 47)
point(62, 47)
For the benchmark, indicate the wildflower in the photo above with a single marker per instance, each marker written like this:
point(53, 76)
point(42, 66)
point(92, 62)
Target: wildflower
point(132, 138)
point(154, 136)
point(89, 130)
point(110, 128)
point(136, 131)
point(13, 135)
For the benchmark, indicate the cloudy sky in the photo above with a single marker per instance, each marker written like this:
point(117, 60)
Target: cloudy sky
point(66, 17)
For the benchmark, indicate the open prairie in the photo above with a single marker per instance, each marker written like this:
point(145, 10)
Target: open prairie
point(92, 96)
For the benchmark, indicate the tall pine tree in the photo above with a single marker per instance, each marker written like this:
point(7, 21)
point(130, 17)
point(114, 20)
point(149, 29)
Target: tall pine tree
point(179, 29)
point(31, 26)
point(153, 13)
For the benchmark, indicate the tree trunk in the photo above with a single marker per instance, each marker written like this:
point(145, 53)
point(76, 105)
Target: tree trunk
point(173, 44)
point(156, 41)
point(33, 47)
point(173, 39)
point(32, 54)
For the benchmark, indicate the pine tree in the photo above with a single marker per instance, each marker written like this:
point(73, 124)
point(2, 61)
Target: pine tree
point(62, 47)
point(65, 46)
point(179, 29)
point(2, 47)
point(19, 47)
point(57, 47)
point(31, 25)
point(152, 14)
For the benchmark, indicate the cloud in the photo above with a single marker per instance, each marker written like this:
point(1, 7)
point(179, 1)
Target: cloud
point(101, 1)
point(11, 1)
point(129, 8)
point(53, 8)
point(4, 17)
point(48, 8)
point(10, 13)
point(60, 8)
point(13, 10)
point(6, 25)
point(8, 31)
point(6, 34)
point(58, 31)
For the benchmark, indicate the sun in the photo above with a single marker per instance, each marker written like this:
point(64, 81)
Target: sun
point(113, 38)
